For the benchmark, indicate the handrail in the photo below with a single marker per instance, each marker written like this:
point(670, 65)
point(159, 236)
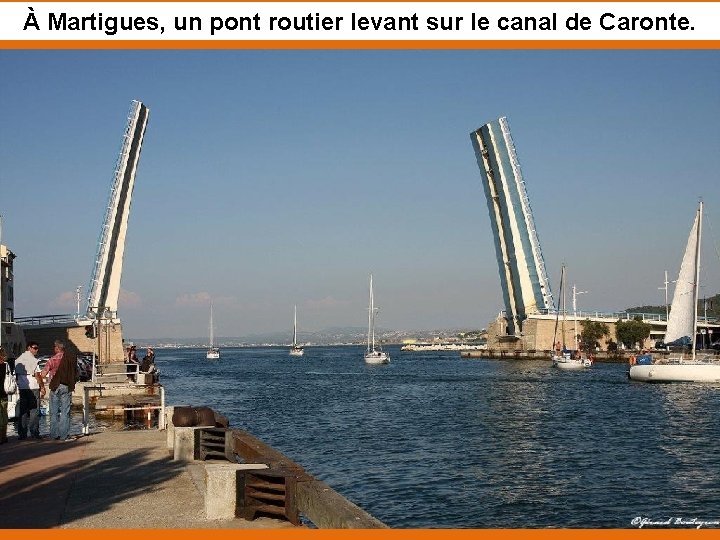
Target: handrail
point(86, 407)
point(617, 315)
point(46, 319)
point(64, 318)
point(103, 372)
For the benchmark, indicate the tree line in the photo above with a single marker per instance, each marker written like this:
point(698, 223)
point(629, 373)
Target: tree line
point(627, 332)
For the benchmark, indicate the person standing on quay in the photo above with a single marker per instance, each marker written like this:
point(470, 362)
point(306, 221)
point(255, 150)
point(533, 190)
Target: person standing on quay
point(131, 362)
point(63, 374)
point(32, 389)
point(3, 397)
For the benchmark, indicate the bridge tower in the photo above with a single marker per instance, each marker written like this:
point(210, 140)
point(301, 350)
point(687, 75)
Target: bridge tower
point(523, 279)
point(104, 286)
point(98, 330)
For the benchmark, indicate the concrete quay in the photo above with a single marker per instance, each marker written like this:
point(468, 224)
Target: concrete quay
point(499, 354)
point(620, 357)
point(106, 480)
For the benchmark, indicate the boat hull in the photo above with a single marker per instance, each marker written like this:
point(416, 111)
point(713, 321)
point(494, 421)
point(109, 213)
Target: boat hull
point(571, 364)
point(296, 352)
point(377, 357)
point(213, 354)
point(665, 373)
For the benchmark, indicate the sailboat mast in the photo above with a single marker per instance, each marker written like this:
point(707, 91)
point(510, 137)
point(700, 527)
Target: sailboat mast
point(212, 337)
point(562, 280)
point(295, 327)
point(371, 320)
point(696, 288)
point(557, 311)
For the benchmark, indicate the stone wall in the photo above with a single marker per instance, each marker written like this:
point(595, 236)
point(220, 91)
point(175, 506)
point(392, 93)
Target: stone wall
point(108, 348)
point(538, 332)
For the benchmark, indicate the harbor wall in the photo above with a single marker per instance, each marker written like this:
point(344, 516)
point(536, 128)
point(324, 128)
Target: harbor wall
point(620, 357)
point(539, 354)
point(254, 479)
point(539, 331)
point(108, 346)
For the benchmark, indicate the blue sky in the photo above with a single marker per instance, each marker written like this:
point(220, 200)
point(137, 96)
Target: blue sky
point(273, 178)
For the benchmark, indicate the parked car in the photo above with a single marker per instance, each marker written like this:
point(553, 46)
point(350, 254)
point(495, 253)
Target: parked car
point(83, 366)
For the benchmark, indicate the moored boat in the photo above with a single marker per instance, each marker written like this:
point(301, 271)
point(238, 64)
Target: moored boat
point(296, 350)
point(373, 355)
point(563, 358)
point(213, 352)
point(681, 326)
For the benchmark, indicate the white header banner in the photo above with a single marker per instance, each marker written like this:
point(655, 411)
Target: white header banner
point(359, 21)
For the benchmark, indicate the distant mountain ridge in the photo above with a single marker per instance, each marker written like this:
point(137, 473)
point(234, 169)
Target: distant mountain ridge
point(357, 334)
point(328, 336)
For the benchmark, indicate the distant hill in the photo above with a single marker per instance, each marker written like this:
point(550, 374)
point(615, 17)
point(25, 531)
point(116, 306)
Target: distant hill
point(328, 336)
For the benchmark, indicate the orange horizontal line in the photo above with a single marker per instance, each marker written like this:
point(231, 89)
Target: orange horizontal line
point(371, 534)
point(676, 3)
point(356, 44)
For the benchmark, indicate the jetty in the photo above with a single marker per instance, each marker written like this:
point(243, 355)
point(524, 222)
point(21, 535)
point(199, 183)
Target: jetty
point(104, 480)
point(618, 357)
point(208, 477)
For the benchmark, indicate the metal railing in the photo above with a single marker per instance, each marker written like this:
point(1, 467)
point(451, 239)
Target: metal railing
point(38, 320)
point(614, 316)
point(100, 388)
point(107, 371)
point(617, 315)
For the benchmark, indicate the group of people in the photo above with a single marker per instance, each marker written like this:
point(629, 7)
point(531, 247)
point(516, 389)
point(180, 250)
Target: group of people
point(58, 376)
point(134, 366)
point(61, 373)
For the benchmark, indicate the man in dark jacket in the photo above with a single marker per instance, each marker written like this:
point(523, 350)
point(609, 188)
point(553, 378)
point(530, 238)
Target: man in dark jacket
point(62, 371)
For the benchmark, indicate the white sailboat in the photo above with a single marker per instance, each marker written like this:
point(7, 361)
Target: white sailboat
point(213, 352)
point(563, 358)
point(373, 355)
point(682, 325)
point(296, 350)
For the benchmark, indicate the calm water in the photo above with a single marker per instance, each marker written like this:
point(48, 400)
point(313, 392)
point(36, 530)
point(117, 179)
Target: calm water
point(433, 440)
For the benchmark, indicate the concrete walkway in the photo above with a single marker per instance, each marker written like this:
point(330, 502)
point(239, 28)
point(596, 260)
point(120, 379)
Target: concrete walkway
point(105, 480)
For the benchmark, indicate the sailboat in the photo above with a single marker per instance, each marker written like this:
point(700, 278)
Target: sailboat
point(563, 358)
point(681, 325)
point(373, 355)
point(296, 350)
point(213, 352)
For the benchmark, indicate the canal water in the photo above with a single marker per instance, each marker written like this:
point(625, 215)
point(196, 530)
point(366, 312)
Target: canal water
point(433, 440)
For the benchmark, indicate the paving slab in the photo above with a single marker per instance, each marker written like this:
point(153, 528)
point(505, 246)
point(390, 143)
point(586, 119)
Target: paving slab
point(110, 479)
